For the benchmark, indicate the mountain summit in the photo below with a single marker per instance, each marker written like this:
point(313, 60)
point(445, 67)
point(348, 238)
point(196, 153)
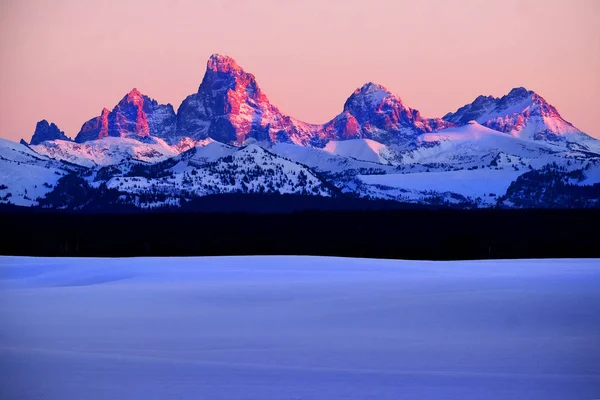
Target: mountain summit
point(228, 138)
point(230, 107)
point(136, 115)
point(521, 112)
point(47, 131)
point(383, 116)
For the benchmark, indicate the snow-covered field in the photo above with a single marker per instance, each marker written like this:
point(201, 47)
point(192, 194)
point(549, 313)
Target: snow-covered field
point(298, 328)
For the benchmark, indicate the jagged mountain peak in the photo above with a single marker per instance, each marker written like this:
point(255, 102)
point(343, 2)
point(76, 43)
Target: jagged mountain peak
point(482, 98)
point(222, 63)
point(483, 103)
point(224, 75)
point(229, 107)
point(236, 140)
point(45, 130)
point(521, 112)
point(370, 95)
point(376, 113)
point(136, 115)
point(134, 94)
point(45, 124)
point(137, 98)
point(525, 97)
point(520, 92)
point(372, 87)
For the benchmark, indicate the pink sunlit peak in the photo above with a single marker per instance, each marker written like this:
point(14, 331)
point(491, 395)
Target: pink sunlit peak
point(222, 63)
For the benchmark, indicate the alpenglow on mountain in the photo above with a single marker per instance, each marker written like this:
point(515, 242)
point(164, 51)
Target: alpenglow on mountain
point(231, 108)
point(521, 112)
point(228, 138)
point(135, 116)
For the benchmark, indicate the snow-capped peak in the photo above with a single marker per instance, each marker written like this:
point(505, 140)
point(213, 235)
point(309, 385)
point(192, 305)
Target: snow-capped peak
point(222, 63)
point(521, 112)
point(372, 88)
point(136, 115)
point(370, 95)
point(378, 114)
point(231, 108)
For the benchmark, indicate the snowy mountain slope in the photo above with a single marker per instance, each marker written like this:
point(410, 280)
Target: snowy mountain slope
point(26, 175)
point(481, 186)
point(23, 154)
point(470, 163)
point(22, 184)
point(474, 145)
point(18, 152)
point(107, 151)
point(360, 149)
point(144, 147)
point(250, 169)
point(524, 114)
point(463, 165)
point(326, 161)
point(204, 152)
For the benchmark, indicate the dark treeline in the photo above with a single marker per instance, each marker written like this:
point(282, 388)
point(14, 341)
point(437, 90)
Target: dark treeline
point(437, 234)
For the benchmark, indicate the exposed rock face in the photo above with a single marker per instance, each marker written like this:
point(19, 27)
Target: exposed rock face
point(136, 115)
point(373, 112)
point(95, 128)
point(47, 131)
point(521, 113)
point(231, 108)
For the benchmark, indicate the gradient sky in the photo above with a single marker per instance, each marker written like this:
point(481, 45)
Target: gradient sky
point(64, 60)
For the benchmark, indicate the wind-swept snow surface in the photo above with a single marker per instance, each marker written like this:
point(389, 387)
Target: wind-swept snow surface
point(279, 328)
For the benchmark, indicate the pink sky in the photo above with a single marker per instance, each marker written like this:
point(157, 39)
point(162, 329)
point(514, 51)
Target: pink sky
point(64, 60)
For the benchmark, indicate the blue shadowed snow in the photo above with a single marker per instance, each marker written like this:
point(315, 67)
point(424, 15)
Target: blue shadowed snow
point(298, 328)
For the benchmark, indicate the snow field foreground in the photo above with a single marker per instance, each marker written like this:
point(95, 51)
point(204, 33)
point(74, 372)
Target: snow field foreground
point(278, 328)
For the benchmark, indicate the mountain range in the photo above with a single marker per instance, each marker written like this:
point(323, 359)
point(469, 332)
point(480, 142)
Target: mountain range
point(512, 151)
